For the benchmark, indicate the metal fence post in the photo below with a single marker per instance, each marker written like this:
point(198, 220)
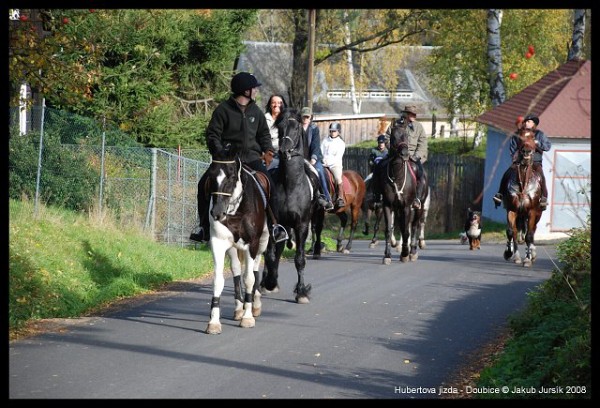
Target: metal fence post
point(102, 165)
point(39, 169)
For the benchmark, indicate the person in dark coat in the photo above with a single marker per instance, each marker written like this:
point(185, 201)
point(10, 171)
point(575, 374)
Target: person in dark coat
point(542, 144)
point(240, 125)
point(313, 138)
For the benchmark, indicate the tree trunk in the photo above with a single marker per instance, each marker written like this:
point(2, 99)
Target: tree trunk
point(297, 92)
point(496, 80)
point(576, 48)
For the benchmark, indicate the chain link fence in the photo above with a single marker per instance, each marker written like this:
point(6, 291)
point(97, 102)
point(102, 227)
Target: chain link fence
point(146, 188)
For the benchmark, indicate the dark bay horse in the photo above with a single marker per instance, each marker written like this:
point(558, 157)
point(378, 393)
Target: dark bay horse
point(398, 184)
point(296, 206)
point(369, 211)
point(521, 198)
point(354, 195)
point(238, 228)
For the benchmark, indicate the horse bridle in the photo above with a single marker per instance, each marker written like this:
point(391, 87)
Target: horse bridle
point(232, 204)
point(293, 151)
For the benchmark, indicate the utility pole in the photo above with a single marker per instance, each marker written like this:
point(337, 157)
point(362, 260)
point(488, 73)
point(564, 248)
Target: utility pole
point(312, 15)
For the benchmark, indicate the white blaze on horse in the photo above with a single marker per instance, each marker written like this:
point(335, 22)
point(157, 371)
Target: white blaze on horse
point(238, 228)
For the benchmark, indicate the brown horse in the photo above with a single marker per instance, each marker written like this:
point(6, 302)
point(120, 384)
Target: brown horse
point(354, 195)
point(521, 198)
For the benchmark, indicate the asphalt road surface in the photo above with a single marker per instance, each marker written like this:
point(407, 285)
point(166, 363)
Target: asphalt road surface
point(370, 331)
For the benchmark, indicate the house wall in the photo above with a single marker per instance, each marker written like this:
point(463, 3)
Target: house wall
point(498, 160)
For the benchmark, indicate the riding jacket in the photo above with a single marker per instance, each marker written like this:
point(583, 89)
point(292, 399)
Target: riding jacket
point(333, 151)
point(313, 137)
point(542, 144)
point(247, 132)
point(417, 140)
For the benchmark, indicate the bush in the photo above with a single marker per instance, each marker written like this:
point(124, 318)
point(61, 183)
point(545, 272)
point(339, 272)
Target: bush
point(551, 346)
point(66, 178)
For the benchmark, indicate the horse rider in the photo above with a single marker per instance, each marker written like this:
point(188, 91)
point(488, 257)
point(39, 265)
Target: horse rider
point(542, 144)
point(378, 153)
point(333, 148)
point(417, 147)
point(313, 139)
point(240, 125)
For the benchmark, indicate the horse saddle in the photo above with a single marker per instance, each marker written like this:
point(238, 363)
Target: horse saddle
point(332, 185)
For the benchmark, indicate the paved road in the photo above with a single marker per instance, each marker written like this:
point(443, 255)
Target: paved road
point(370, 331)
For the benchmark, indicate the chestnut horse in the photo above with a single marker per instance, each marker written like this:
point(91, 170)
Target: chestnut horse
point(521, 198)
point(354, 195)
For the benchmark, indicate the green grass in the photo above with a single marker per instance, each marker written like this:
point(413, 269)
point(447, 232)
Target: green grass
point(64, 264)
point(456, 145)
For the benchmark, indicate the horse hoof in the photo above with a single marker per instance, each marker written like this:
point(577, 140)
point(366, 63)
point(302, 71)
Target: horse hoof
point(316, 256)
point(213, 328)
point(404, 258)
point(237, 314)
point(302, 300)
point(372, 245)
point(346, 251)
point(256, 311)
point(518, 261)
point(247, 322)
point(387, 261)
point(422, 244)
point(507, 255)
point(414, 257)
point(527, 263)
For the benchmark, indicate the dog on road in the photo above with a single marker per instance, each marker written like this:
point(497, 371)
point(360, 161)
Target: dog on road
point(473, 229)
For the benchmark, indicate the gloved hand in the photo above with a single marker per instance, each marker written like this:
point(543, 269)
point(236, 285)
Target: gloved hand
point(268, 157)
point(415, 158)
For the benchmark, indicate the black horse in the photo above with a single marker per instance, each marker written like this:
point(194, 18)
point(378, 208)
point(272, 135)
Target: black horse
point(398, 181)
point(296, 206)
point(238, 228)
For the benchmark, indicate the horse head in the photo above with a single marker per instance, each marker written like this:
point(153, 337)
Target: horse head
point(225, 184)
point(399, 139)
point(526, 145)
point(291, 134)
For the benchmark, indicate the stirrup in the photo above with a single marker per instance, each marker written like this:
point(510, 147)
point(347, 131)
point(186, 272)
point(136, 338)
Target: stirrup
point(279, 233)
point(340, 202)
point(416, 204)
point(497, 200)
point(328, 206)
point(543, 203)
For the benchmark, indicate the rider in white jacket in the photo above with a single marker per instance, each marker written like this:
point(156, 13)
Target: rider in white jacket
point(333, 147)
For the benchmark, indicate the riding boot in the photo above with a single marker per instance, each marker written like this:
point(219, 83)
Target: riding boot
point(498, 196)
point(420, 183)
point(340, 201)
point(202, 234)
point(278, 231)
point(544, 197)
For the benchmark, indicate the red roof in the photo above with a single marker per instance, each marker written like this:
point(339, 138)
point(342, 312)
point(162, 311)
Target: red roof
point(562, 100)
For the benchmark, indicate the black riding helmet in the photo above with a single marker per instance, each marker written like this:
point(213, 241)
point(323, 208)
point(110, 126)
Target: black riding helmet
point(336, 126)
point(381, 139)
point(243, 81)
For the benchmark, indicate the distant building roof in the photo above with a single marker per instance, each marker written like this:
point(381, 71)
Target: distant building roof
point(562, 100)
point(272, 65)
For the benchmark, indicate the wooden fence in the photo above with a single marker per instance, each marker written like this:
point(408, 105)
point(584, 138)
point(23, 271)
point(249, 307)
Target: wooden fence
point(456, 184)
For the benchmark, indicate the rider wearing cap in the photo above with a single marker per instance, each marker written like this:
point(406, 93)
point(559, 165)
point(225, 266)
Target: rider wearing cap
point(542, 144)
point(417, 148)
point(240, 125)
